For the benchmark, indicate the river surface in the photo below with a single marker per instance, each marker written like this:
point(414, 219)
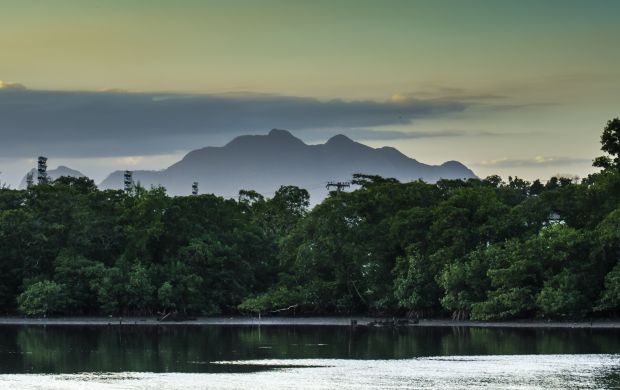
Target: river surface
point(306, 357)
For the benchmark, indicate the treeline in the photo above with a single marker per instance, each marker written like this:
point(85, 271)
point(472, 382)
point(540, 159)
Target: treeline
point(479, 249)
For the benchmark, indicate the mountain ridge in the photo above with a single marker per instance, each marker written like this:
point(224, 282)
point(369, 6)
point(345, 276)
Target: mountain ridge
point(265, 162)
point(53, 174)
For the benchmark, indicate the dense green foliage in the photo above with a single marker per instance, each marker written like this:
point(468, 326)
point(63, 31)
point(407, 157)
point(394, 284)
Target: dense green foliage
point(480, 249)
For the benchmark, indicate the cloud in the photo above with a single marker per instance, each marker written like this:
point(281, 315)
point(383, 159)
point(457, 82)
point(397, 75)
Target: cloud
point(5, 85)
point(538, 161)
point(442, 94)
point(388, 135)
point(484, 100)
point(377, 135)
point(79, 124)
point(113, 90)
point(371, 135)
point(486, 133)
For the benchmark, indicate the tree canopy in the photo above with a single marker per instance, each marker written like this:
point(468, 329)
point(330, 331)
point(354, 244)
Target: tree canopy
point(480, 249)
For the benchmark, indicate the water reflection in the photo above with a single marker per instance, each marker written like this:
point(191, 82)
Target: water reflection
point(73, 349)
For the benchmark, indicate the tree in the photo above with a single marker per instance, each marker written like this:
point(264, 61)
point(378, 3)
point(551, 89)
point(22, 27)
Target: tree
point(250, 197)
point(493, 181)
point(536, 188)
point(166, 297)
point(279, 298)
point(415, 287)
point(607, 237)
point(610, 299)
point(139, 289)
point(562, 297)
point(80, 277)
point(520, 270)
point(184, 290)
point(465, 283)
point(112, 291)
point(610, 143)
point(43, 298)
point(367, 181)
point(280, 213)
point(16, 252)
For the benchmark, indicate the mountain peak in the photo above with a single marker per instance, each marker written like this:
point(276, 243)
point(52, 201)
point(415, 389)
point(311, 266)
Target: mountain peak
point(456, 166)
point(453, 164)
point(281, 133)
point(276, 137)
point(339, 139)
point(283, 138)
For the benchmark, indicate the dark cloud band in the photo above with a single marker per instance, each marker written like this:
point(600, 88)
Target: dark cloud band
point(78, 124)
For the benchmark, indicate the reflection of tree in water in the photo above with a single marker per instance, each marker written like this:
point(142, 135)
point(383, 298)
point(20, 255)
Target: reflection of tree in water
point(493, 341)
point(11, 354)
point(49, 350)
point(483, 341)
point(191, 348)
point(61, 349)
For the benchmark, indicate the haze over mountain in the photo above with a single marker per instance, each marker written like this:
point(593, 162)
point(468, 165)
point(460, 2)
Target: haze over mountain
point(265, 162)
point(53, 174)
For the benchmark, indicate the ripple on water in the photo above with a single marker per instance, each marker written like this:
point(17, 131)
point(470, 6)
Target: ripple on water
point(453, 372)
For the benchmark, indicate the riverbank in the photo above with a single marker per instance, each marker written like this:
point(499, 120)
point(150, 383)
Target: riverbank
point(298, 321)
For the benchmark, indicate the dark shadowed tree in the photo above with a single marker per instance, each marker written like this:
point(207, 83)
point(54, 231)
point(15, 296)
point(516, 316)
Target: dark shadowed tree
point(610, 143)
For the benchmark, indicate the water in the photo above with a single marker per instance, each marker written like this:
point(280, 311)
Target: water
point(323, 357)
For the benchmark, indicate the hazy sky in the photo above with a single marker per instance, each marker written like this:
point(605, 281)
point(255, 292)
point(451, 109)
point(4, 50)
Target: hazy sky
point(509, 87)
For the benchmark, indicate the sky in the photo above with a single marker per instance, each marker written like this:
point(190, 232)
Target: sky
point(521, 88)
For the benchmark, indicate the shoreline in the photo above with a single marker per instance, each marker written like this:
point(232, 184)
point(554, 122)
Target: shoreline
point(301, 321)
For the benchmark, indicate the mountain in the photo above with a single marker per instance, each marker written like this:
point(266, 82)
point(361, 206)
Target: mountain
point(53, 174)
point(265, 162)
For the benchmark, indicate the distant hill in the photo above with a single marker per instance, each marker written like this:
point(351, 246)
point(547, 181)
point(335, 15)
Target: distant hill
point(265, 162)
point(53, 174)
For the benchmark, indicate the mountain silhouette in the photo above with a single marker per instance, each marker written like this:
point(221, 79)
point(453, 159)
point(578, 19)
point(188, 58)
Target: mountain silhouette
point(53, 174)
point(265, 162)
